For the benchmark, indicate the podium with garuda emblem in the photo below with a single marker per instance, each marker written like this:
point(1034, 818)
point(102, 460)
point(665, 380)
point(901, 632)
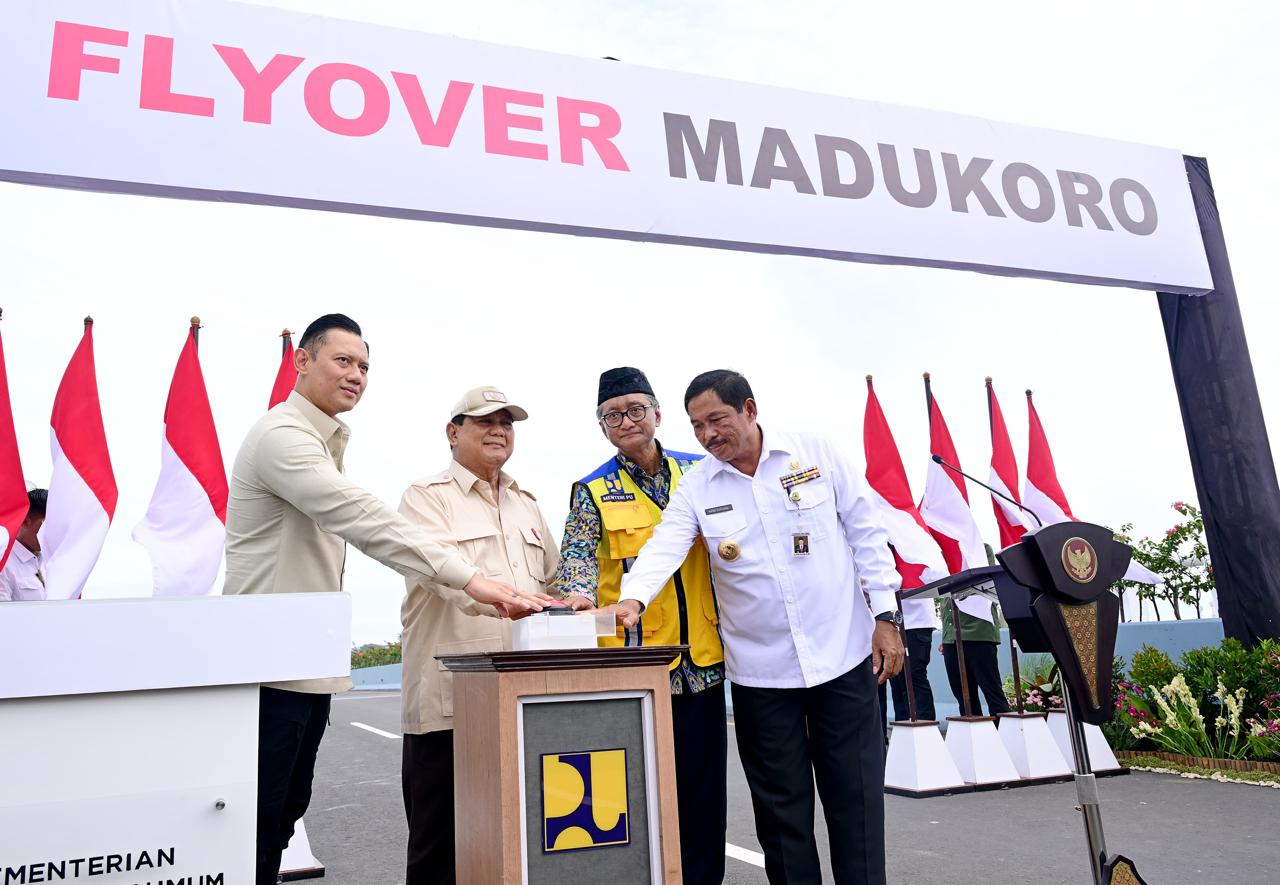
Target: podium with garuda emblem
point(1060, 602)
point(564, 769)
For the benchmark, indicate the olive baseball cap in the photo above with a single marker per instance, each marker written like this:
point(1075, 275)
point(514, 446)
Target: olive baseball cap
point(480, 401)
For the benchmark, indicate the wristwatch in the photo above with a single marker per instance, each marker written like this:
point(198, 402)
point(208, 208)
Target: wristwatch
point(892, 617)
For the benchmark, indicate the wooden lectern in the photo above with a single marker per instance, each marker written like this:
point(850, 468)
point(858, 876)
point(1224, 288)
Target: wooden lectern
point(564, 770)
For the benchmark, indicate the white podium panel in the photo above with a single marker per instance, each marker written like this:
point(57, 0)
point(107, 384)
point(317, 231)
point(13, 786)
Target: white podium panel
point(129, 730)
point(126, 788)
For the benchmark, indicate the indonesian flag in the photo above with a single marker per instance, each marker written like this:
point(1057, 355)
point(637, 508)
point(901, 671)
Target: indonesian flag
point(945, 509)
point(1043, 493)
point(13, 491)
point(82, 490)
point(915, 553)
point(1012, 521)
point(185, 526)
point(286, 375)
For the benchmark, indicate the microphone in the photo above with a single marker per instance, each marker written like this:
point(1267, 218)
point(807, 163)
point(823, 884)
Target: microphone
point(937, 459)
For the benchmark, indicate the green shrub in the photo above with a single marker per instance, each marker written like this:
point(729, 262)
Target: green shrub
point(374, 655)
point(1255, 670)
point(1152, 667)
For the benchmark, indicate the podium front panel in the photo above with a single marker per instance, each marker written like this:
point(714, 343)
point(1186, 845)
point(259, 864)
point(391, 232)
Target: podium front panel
point(588, 788)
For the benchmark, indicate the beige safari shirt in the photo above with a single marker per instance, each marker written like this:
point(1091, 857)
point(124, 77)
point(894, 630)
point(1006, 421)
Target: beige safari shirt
point(291, 513)
point(509, 542)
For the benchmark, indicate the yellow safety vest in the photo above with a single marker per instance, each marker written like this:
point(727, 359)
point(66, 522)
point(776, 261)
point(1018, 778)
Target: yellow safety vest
point(684, 612)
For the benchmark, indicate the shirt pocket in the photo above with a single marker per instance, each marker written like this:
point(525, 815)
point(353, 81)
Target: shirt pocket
point(811, 507)
point(535, 555)
point(627, 525)
point(476, 541)
point(466, 646)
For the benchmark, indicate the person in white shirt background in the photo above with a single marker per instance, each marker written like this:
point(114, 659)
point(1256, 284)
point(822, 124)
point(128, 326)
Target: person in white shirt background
point(22, 578)
point(790, 528)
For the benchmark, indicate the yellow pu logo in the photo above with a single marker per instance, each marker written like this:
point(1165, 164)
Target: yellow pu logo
point(584, 800)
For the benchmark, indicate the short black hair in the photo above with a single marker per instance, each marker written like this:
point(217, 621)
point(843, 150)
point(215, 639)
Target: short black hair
point(314, 338)
point(730, 386)
point(37, 501)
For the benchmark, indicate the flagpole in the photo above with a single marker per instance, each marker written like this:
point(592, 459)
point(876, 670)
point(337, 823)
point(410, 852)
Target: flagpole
point(286, 343)
point(195, 331)
point(966, 705)
point(1013, 644)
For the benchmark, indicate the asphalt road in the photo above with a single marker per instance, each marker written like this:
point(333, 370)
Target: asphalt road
point(1179, 831)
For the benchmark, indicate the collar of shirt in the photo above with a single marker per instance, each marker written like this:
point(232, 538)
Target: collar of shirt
point(326, 426)
point(467, 480)
point(22, 554)
point(657, 485)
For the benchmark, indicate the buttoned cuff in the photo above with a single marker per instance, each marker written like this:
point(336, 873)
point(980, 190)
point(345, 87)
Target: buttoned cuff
point(456, 573)
point(882, 601)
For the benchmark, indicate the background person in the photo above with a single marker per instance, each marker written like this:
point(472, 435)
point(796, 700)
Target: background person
point(612, 514)
point(22, 579)
point(290, 514)
point(474, 507)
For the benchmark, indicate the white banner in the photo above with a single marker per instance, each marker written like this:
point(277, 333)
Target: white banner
point(221, 101)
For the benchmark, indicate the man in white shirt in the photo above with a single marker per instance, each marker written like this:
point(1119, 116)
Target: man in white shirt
point(22, 578)
point(790, 528)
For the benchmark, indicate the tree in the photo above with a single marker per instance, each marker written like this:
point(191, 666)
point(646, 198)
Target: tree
point(1180, 558)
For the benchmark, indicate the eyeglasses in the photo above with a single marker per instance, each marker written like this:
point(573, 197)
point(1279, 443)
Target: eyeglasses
point(636, 413)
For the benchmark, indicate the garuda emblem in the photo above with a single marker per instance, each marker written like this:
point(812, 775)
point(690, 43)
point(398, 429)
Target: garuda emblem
point(1080, 560)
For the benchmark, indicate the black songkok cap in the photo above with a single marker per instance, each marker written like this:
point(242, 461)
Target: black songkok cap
point(621, 381)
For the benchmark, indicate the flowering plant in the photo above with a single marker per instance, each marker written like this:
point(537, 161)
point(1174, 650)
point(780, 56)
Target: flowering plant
point(1041, 686)
point(1182, 728)
point(1264, 732)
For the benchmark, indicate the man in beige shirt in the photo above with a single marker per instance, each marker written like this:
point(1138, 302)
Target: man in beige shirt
point(488, 518)
point(290, 516)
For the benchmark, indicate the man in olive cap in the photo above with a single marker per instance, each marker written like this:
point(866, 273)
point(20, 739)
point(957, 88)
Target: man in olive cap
point(475, 507)
point(613, 511)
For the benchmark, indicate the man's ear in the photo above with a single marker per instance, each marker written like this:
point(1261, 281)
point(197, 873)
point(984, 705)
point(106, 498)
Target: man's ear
point(657, 417)
point(451, 434)
point(750, 408)
point(301, 360)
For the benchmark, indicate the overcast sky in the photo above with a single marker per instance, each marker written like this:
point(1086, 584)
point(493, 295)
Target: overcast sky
point(540, 315)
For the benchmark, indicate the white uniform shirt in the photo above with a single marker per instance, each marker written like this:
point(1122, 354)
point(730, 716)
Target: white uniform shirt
point(787, 620)
point(21, 579)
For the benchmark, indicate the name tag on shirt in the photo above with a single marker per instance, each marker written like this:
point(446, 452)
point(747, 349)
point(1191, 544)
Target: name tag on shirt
point(620, 496)
point(723, 508)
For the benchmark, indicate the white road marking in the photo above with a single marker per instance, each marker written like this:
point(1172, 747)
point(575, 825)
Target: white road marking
point(379, 731)
point(754, 858)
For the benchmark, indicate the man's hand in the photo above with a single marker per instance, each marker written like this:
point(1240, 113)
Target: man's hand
point(886, 651)
point(627, 612)
point(576, 602)
point(506, 599)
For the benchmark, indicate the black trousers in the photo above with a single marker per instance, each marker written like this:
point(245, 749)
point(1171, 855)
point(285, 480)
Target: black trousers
point(982, 667)
point(790, 737)
point(426, 779)
point(698, 723)
point(919, 648)
point(290, 726)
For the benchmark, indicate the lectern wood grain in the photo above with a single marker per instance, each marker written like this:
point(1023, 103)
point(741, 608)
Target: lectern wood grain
point(487, 765)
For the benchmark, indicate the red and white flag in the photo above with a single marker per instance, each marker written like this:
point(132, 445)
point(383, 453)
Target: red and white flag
point(13, 491)
point(1012, 521)
point(286, 375)
point(945, 508)
point(82, 489)
point(1043, 493)
point(915, 553)
point(184, 530)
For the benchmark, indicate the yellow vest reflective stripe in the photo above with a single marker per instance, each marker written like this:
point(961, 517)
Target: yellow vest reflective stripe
point(684, 611)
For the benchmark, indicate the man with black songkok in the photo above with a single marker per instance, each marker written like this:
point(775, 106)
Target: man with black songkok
point(613, 511)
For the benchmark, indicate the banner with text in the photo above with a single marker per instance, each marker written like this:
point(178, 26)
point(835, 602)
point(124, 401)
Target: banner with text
point(221, 101)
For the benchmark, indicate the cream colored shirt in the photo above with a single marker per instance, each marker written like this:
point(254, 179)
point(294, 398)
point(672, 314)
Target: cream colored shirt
point(292, 511)
point(509, 541)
